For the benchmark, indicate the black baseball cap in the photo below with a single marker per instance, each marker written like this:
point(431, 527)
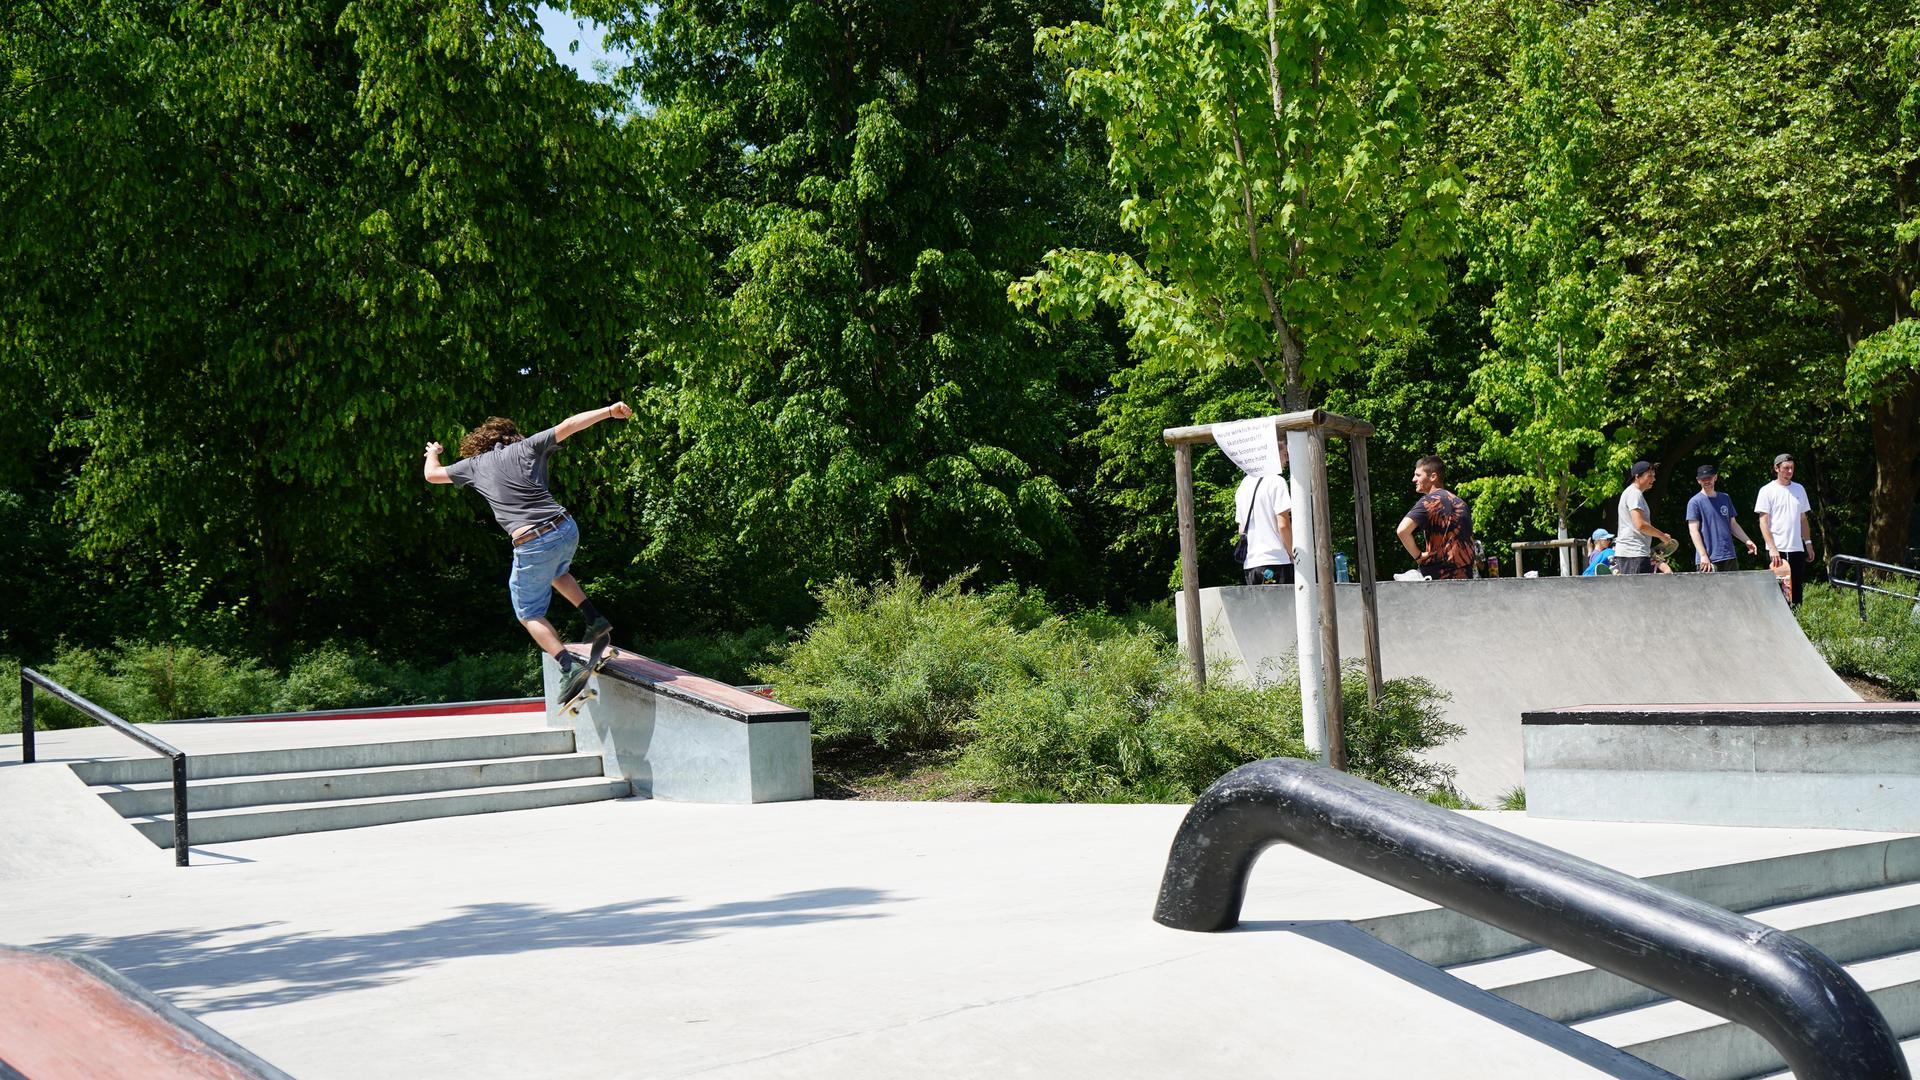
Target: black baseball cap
point(1641, 468)
point(1705, 471)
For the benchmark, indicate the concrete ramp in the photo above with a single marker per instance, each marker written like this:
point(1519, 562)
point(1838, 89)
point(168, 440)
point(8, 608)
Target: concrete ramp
point(1504, 646)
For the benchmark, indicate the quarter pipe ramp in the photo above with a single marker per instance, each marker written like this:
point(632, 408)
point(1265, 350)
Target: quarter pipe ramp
point(1504, 646)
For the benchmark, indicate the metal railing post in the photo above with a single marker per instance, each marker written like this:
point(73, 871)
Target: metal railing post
point(1791, 994)
point(179, 809)
point(26, 720)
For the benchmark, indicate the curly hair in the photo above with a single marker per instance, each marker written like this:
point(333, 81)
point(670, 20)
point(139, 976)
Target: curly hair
point(497, 429)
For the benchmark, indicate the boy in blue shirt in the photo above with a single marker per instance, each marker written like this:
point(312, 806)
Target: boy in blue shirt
point(1710, 519)
point(1600, 548)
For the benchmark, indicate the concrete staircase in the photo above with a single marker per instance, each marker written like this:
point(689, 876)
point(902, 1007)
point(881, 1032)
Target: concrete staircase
point(1860, 905)
point(255, 794)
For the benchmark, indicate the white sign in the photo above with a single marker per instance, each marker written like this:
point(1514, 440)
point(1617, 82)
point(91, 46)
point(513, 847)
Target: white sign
point(1254, 445)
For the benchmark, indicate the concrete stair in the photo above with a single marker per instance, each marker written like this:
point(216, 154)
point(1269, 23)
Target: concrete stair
point(1860, 905)
point(251, 795)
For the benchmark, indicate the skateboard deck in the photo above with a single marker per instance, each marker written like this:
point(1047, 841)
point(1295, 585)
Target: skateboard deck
point(589, 689)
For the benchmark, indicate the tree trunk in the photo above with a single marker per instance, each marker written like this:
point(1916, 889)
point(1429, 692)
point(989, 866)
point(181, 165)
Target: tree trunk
point(1896, 478)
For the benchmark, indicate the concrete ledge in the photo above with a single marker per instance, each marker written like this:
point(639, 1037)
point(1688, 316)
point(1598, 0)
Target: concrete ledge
point(1833, 766)
point(679, 736)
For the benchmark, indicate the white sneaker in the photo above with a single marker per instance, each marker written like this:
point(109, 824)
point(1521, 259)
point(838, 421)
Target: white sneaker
point(1411, 575)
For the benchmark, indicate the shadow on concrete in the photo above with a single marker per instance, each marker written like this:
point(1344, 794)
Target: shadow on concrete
point(1361, 945)
point(252, 966)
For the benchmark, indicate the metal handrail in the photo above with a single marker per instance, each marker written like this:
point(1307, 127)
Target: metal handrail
point(1791, 994)
point(1833, 578)
point(30, 678)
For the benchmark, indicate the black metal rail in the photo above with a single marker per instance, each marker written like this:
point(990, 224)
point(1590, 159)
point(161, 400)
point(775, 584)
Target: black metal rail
point(30, 678)
point(1793, 995)
point(1859, 584)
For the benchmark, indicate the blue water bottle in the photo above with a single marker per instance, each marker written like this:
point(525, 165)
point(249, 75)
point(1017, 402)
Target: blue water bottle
point(1340, 566)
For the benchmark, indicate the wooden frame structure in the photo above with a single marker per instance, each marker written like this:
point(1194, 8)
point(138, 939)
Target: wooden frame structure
point(1306, 434)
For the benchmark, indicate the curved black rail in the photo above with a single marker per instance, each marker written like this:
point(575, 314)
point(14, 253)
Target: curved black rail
point(30, 678)
point(1793, 995)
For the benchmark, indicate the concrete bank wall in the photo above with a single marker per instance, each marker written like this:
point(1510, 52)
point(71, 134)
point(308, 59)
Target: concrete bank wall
point(1505, 646)
point(1825, 767)
point(681, 737)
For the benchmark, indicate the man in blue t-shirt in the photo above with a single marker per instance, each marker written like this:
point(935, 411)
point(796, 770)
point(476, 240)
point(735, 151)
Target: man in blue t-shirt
point(1710, 519)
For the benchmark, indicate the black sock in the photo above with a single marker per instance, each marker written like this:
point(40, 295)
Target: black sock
point(591, 613)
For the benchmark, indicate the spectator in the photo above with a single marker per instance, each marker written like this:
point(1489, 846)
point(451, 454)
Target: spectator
point(1599, 554)
point(1633, 548)
point(1447, 520)
point(1785, 523)
point(1263, 507)
point(1711, 522)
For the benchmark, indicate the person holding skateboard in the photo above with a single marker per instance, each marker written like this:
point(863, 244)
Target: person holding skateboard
point(510, 472)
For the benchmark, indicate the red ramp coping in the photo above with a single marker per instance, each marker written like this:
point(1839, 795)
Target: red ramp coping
point(69, 1017)
point(711, 694)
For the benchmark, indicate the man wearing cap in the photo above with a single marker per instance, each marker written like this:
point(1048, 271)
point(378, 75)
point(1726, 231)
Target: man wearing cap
point(1785, 523)
point(1710, 519)
point(1633, 548)
point(1599, 553)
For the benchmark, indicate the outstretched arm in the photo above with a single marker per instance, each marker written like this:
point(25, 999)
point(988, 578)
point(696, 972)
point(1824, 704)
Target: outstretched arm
point(579, 422)
point(434, 471)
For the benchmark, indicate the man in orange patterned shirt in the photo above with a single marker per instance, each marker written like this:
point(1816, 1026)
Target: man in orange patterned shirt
point(1447, 520)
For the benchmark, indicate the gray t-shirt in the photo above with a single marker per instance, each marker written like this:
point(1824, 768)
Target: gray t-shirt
point(1629, 541)
point(513, 477)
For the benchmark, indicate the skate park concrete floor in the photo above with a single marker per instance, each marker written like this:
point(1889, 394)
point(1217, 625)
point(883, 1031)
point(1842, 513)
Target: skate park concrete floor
point(653, 939)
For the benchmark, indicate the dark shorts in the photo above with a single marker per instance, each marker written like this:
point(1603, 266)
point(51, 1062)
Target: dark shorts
point(1281, 574)
point(1633, 564)
point(1726, 566)
point(1797, 568)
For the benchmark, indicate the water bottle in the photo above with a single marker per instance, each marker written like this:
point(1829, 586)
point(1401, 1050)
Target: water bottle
point(1340, 566)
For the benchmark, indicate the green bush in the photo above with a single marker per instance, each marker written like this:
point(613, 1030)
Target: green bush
point(1885, 647)
point(731, 657)
point(1088, 707)
point(896, 666)
point(146, 682)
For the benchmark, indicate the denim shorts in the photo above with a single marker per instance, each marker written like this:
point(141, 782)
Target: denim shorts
point(535, 564)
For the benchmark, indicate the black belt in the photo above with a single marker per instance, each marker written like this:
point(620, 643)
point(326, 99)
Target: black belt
point(540, 530)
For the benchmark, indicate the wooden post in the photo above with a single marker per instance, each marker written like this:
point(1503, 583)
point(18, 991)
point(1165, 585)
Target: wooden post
point(1189, 562)
point(1363, 565)
point(1329, 608)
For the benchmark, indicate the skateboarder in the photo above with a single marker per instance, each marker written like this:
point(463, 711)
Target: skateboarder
point(1786, 525)
point(510, 470)
point(1711, 520)
point(1633, 546)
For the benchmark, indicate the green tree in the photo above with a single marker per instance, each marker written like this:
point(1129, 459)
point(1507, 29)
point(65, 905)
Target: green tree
point(848, 385)
point(1541, 397)
point(259, 253)
point(1265, 156)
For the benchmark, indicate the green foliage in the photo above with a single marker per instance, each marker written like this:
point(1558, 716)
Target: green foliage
point(896, 666)
point(729, 656)
point(1086, 708)
point(847, 385)
point(335, 229)
point(1514, 799)
point(1884, 647)
point(148, 682)
point(1265, 156)
point(1540, 396)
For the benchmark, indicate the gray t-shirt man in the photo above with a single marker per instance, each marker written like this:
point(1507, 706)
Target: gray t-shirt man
point(513, 477)
point(1629, 541)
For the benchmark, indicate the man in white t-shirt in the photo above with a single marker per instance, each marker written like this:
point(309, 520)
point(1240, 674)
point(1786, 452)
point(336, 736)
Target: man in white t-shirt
point(1785, 522)
point(1263, 508)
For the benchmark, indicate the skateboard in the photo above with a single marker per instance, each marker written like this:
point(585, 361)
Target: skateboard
point(590, 689)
